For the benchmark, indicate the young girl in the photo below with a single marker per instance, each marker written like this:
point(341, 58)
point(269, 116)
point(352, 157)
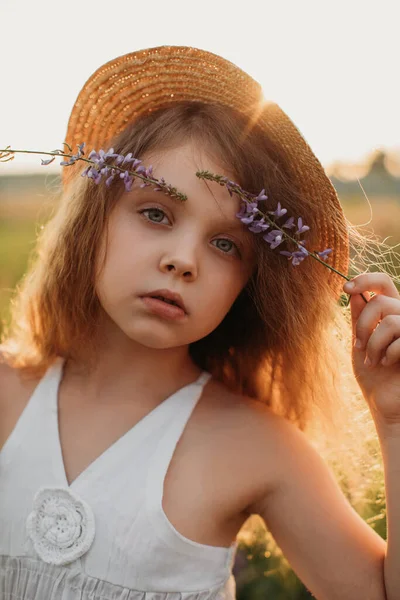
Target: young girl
point(164, 362)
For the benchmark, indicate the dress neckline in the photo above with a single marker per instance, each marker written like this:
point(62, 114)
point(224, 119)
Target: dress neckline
point(130, 438)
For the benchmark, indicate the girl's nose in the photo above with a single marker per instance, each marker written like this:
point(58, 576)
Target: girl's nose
point(182, 267)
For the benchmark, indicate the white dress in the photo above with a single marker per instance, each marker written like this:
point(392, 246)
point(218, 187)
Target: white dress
point(105, 536)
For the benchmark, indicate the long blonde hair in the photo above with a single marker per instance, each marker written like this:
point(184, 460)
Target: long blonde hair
point(286, 341)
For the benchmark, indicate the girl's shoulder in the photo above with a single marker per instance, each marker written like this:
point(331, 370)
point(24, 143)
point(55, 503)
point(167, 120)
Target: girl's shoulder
point(248, 415)
point(8, 379)
point(11, 381)
point(248, 438)
point(14, 395)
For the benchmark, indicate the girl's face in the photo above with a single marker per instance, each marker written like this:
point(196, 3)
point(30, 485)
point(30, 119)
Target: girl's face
point(197, 248)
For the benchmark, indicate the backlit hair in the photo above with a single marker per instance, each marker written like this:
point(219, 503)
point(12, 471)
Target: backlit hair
point(286, 341)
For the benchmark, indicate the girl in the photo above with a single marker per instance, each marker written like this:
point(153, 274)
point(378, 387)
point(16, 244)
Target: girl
point(164, 363)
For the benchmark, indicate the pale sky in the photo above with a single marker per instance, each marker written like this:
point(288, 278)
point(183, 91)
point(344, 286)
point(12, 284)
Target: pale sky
point(332, 66)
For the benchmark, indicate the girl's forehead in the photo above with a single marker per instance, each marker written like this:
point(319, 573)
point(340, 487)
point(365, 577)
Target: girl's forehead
point(178, 166)
point(192, 155)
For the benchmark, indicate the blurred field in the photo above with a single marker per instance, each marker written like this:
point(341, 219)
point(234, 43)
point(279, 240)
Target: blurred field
point(382, 216)
point(20, 220)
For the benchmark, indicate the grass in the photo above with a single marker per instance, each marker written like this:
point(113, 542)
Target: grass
point(17, 240)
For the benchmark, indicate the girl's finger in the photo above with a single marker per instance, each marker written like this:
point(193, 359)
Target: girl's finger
point(378, 308)
point(392, 355)
point(379, 283)
point(357, 305)
point(387, 332)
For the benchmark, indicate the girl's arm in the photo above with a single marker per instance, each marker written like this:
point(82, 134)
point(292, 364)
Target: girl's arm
point(376, 326)
point(333, 551)
point(389, 438)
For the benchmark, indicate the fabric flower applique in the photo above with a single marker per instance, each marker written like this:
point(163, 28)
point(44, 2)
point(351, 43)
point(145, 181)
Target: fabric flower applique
point(61, 525)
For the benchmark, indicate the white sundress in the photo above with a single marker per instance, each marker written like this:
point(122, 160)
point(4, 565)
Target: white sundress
point(105, 536)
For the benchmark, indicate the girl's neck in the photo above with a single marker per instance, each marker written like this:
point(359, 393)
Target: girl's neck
point(116, 373)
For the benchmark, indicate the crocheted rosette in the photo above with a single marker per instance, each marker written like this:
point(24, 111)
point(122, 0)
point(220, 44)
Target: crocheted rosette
point(61, 525)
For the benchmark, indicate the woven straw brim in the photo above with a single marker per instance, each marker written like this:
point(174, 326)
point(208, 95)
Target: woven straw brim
point(146, 80)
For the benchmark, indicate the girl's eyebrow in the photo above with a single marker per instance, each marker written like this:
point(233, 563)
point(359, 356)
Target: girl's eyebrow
point(231, 225)
point(149, 191)
point(225, 223)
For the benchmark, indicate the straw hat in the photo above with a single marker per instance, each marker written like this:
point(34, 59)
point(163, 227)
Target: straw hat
point(142, 81)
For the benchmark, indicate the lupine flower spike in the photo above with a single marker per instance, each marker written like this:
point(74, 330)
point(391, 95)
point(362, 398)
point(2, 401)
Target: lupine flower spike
point(250, 215)
point(98, 169)
point(259, 222)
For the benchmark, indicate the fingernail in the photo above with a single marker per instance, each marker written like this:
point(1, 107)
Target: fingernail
point(358, 343)
point(368, 361)
point(349, 285)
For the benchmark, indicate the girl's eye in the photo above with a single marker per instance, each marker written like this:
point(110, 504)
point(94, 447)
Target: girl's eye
point(226, 246)
point(155, 215)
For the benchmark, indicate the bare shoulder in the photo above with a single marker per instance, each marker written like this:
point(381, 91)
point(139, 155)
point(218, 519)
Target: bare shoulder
point(249, 439)
point(8, 378)
point(14, 394)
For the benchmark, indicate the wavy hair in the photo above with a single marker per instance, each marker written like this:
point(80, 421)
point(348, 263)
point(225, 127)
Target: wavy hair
point(285, 341)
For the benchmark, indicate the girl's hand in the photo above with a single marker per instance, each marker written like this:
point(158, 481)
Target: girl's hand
point(377, 325)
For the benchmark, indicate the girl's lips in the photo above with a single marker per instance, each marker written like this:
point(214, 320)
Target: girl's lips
point(163, 309)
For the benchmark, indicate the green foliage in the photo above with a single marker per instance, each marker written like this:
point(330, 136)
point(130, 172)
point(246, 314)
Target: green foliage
point(17, 240)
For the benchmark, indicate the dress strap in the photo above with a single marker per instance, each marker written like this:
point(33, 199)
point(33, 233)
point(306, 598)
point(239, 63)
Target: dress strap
point(34, 419)
point(202, 380)
point(174, 425)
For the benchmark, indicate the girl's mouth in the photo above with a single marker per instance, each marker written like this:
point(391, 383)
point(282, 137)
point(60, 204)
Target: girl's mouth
point(164, 308)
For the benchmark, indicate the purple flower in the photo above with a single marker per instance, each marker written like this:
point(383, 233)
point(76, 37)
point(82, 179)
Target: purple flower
point(289, 223)
point(94, 156)
point(96, 175)
point(100, 157)
point(261, 196)
point(111, 178)
point(128, 158)
point(247, 220)
point(72, 160)
point(248, 211)
point(243, 210)
point(298, 258)
point(279, 212)
point(301, 228)
point(85, 173)
point(252, 207)
point(128, 180)
point(324, 253)
point(302, 251)
point(274, 238)
point(258, 226)
point(128, 183)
